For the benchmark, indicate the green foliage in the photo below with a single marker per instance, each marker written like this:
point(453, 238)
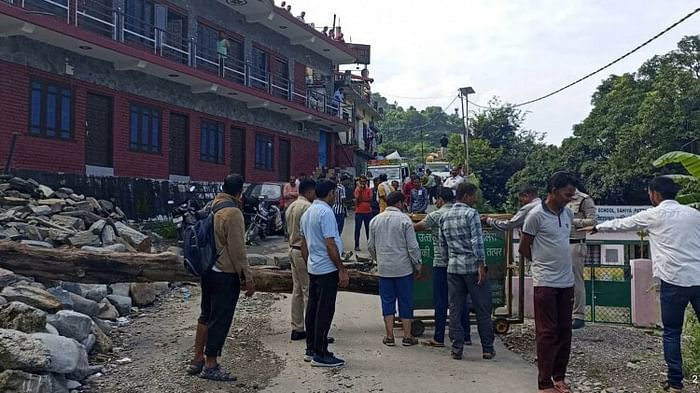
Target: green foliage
point(691, 345)
point(167, 229)
point(690, 194)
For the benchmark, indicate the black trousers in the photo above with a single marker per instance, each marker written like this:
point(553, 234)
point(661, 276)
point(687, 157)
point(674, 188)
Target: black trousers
point(323, 290)
point(219, 297)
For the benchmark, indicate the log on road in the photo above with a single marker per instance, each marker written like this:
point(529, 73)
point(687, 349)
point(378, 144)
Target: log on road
point(108, 268)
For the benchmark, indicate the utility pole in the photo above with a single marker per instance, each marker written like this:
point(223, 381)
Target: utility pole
point(464, 95)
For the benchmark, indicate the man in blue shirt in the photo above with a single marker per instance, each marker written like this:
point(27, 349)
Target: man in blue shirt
point(321, 247)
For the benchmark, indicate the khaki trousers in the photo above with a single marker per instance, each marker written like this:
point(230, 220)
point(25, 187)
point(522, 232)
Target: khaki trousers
point(300, 291)
point(578, 255)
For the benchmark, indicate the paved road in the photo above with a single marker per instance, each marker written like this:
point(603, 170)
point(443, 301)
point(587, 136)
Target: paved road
point(372, 367)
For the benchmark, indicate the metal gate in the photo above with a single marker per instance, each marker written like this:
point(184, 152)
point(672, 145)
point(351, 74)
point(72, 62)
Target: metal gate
point(608, 293)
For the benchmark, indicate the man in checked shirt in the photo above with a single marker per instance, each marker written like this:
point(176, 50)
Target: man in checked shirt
point(462, 248)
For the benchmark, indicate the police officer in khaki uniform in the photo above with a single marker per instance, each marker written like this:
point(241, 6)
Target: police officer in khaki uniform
point(585, 215)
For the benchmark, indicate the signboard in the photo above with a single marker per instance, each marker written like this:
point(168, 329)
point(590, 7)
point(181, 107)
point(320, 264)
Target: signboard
point(362, 53)
point(607, 213)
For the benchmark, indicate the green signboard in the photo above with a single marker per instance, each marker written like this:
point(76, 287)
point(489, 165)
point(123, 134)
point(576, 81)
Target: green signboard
point(494, 244)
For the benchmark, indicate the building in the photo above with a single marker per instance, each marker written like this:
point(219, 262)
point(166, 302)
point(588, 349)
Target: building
point(360, 141)
point(179, 90)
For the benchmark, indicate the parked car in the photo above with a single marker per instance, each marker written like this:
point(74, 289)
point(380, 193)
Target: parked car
point(272, 191)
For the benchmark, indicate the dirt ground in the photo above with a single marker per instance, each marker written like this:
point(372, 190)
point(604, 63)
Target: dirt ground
point(153, 349)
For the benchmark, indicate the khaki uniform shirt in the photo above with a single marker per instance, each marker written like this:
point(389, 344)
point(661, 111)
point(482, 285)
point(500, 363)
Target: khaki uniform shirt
point(585, 214)
point(293, 216)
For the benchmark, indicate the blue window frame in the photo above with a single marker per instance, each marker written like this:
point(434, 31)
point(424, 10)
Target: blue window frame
point(144, 129)
point(263, 152)
point(212, 142)
point(50, 110)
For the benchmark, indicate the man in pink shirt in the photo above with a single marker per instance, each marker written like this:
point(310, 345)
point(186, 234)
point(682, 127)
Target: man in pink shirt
point(290, 192)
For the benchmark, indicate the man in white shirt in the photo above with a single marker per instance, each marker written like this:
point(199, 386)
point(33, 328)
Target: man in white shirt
point(453, 181)
point(674, 236)
point(528, 199)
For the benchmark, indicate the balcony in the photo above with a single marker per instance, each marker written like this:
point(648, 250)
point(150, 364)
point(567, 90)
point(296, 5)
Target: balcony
point(91, 29)
point(299, 33)
point(357, 90)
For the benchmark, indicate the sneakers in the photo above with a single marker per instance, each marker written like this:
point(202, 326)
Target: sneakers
point(409, 341)
point(328, 361)
point(457, 356)
point(668, 388)
point(488, 355)
point(296, 336)
point(357, 249)
point(578, 324)
point(309, 355)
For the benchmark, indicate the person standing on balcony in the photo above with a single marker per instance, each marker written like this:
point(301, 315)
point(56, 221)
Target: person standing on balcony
point(338, 99)
point(585, 215)
point(363, 209)
point(674, 237)
point(302, 16)
point(545, 242)
point(223, 48)
point(393, 244)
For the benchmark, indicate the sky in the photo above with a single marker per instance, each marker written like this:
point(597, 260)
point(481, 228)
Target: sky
point(423, 51)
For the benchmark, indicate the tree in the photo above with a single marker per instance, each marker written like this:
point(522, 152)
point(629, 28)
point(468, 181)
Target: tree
point(690, 194)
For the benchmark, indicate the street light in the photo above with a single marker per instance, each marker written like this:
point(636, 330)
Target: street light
point(464, 95)
point(422, 153)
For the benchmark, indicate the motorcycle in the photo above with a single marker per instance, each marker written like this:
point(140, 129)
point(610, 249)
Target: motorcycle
point(186, 213)
point(266, 222)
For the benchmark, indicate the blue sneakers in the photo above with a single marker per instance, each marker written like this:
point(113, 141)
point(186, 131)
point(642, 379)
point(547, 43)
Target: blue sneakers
point(329, 361)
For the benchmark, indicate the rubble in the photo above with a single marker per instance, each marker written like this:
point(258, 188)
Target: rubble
point(38, 216)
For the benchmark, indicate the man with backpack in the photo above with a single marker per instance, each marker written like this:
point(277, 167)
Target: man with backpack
point(221, 283)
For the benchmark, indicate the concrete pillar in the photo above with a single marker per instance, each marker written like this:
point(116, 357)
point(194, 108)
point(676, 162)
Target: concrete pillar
point(646, 310)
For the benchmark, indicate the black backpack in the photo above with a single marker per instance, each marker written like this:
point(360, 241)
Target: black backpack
point(199, 245)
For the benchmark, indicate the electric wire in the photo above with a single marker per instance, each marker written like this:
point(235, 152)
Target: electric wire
point(666, 30)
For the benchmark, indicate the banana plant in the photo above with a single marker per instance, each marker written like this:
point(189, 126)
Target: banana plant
point(690, 182)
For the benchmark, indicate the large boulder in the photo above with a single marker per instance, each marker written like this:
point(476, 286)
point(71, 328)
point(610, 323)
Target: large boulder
point(59, 383)
point(103, 344)
point(64, 353)
point(120, 289)
point(63, 296)
point(122, 303)
point(72, 287)
point(94, 292)
point(2, 301)
point(32, 296)
point(105, 326)
point(20, 381)
point(84, 306)
point(22, 317)
point(162, 288)
point(107, 311)
point(71, 324)
point(143, 293)
point(89, 343)
point(20, 351)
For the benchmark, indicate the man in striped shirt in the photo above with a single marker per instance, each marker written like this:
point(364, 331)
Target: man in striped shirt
point(462, 248)
point(339, 207)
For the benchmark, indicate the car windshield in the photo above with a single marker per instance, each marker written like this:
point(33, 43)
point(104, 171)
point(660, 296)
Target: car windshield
point(438, 167)
point(270, 191)
point(391, 173)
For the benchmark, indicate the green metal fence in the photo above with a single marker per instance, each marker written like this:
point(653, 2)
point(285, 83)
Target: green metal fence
point(608, 293)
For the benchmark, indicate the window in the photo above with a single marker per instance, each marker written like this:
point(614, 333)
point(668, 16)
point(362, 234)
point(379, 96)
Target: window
point(259, 68)
point(263, 152)
point(212, 142)
point(51, 111)
point(144, 129)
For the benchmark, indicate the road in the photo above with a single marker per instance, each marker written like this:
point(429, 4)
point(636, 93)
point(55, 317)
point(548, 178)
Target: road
point(373, 367)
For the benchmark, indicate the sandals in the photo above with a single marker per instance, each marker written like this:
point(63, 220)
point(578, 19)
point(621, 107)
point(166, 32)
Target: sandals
point(433, 343)
point(562, 387)
point(389, 341)
point(217, 374)
point(195, 367)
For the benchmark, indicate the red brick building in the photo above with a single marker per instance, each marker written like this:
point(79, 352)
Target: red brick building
point(141, 88)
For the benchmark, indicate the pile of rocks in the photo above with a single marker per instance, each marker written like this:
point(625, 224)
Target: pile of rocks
point(36, 215)
point(47, 334)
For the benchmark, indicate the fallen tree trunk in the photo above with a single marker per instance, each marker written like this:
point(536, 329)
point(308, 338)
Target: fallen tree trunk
point(107, 268)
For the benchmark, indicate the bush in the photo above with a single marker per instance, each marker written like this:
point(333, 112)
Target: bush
point(167, 229)
point(691, 345)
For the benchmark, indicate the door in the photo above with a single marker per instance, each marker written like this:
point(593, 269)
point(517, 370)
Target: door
point(323, 149)
point(299, 91)
point(98, 131)
point(179, 144)
point(284, 158)
point(238, 151)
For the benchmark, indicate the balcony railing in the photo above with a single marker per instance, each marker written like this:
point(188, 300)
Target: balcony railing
point(115, 24)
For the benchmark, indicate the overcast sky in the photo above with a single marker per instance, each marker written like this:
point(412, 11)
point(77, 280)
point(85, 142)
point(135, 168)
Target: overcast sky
point(514, 49)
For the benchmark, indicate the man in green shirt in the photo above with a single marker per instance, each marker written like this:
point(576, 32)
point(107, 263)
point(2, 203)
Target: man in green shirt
point(223, 47)
point(432, 222)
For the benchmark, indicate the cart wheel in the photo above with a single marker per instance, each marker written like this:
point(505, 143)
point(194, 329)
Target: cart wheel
point(417, 328)
point(501, 326)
